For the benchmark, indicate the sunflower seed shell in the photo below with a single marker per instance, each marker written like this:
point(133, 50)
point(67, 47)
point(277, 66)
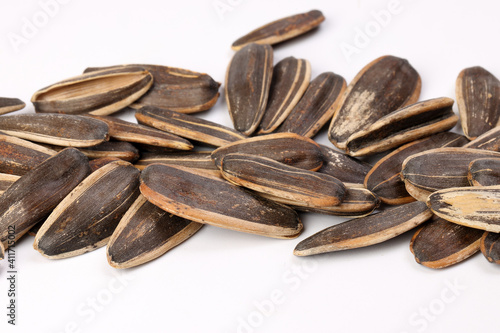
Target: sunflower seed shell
point(8, 105)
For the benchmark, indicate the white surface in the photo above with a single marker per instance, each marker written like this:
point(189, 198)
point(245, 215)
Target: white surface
point(213, 282)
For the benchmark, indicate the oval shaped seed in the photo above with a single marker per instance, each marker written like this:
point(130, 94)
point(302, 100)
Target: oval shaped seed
point(207, 199)
point(10, 105)
point(111, 149)
point(248, 80)
point(440, 244)
point(34, 195)
point(384, 178)
point(365, 231)
point(261, 174)
point(439, 168)
point(487, 141)
point(384, 85)
point(281, 30)
point(478, 99)
point(286, 148)
point(405, 125)
point(56, 129)
point(290, 80)
point(87, 216)
point(343, 167)
point(6, 181)
point(175, 89)
point(146, 232)
point(316, 107)
point(490, 246)
point(195, 160)
point(484, 172)
point(101, 92)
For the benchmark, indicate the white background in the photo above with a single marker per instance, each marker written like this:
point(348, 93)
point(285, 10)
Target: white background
point(220, 280)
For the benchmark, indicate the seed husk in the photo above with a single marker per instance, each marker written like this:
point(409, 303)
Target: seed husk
point(487, 141)
point(100, 162)
point(6, 180)
point(176, 89)
point(87, 217)
point(478, 99)
point(475, 207)
point(287, 148)
point(146, 232)
point(490, 246)
point(405, 125)
point(290, 80)
point(56, 129)
point(264, 175)
point(33, 196)
point(439, 168)
point(384, 178)
point(248, 80)
point(343, 167)
point(117, 149)
point(8, 105)
point(195, 159)
point(484, 172)
point(187, 126)
point(126, 131)
point(440, 244)
point(316, 107)
point(365, 231)
point(203, 198)
point(281, 30)
point(101, 92)
point(384, 85)
point(18, 156)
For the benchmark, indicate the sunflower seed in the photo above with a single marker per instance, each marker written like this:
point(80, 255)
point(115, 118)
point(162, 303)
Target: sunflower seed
point(117, 149)
point(478, 99)
point(56, 129)
point(487, 141)
point(10, 105)
point(100, 162)
point(87, 217)
point(35, 194)
point(176, 89)
point(439, 243)
point(316, 107)
point(384, 85)
point(248, 80)
point(405, 125)
point(484, 172)
point(287, 148)
point(474, 207)
point(365, 231)
point(101, 92)
point(261, 174)
point(281, 30)
point(384, 178)
point(6, 181)
point(203, 198)
point(490, 246)
point(290, 80)
point(343, 167)
point(146, 232)
point(439, 168)
point(195, 159)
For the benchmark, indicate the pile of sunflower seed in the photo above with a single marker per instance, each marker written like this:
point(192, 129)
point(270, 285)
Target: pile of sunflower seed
point(79, 179)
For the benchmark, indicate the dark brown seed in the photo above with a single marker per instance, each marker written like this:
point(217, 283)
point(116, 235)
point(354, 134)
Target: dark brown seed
point(56, 129)
point(203, 198)
point(187, 126)
point(287, 148)
point(316, 107)
point(343, 167)
point(478, 99)
point(290, 80)
point(155, 149)
point(87, 217)
point(176, 89)
point(384, 85)
point(34, 195)
point(484, 172)
point(6, 181)
point(439, 168)
point(490, 246)
point(281, 30)
point(405, 125)
point(439, 243)
point(146, 232)
point(126, 131)
point(100, 162)
point(365, 231)
point(109, 149)
point(384, 178)
point(195, 159)
point(18, 156)
point(474, 207)
point(248, 80)
point(101, 92)
point(488, 141)
point(10, 105)
point(261, 174)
